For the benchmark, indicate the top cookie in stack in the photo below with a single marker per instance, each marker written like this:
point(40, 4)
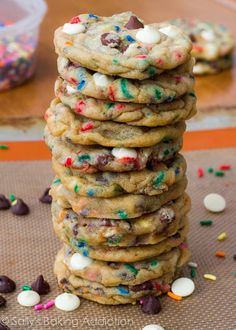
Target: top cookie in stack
point(115, 129)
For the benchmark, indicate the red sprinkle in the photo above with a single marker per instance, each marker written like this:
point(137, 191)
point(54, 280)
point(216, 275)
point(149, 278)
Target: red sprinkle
point(75, 20)
point(68, 162)
point(87, 127)
point(200, 172)
point(157, 286)
point(111, 93)
point(141, 56)
point(178, 55)
point(197, 48)
point(119, 106)
point(127, 159)
point(224, 167)
point(80, 106)
point(73, 81)
point(178, 78)
point(159, 61)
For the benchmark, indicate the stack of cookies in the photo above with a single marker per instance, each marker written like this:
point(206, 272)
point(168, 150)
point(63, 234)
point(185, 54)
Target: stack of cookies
point(115, 131)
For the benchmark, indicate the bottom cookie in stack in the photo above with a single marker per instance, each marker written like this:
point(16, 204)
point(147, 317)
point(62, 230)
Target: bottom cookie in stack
point(118, 283)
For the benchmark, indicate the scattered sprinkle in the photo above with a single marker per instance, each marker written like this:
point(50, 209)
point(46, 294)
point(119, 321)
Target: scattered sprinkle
point(220, 254)
point(193, 272)
point(12, 198)
point(219, 173)
point(38, 307)
point(222, 236)
point(224, 167)
point(192, 264)
point(200, 172)
point(25, 287)
point(4, 147)
point(210, 170)
point(174, 296)
point(206, 222)
point(49, 304)
point(209, 277)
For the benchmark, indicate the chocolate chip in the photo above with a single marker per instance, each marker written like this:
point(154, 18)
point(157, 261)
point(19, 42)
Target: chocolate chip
point(234, 257)
point(19, 207)
point(150, 305)
point(3, 326)
point(192, 37)
point(103, 160)
point(46, 198)
point(110, 39)
point(4, 203)
point(142, 287)
point(3, 302)
point(75, 229)
point(134, 23)
point(6, 284)
point(176, 236)
point(166, 215)
point(41, 286)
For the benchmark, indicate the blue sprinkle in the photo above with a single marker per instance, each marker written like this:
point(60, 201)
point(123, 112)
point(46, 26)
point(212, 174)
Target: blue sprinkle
point(85, 253)
point(81, 244)
point(93, 16)
point(130, 39)
point(81, 85)
point(177, 171)
point(122, 290)
point(90, 193)
point(117, 28)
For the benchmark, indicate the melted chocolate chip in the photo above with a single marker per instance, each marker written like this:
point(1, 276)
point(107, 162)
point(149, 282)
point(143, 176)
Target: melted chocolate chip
point(3, 326)
point(150, 305)
point(40, 285)
point(3, 302)
point(6, 284)
point(101, 179)
point(4, 203)
point(19, 207)
point(110, 39)
point(142, 287)
point(176, 236)
point(75, 229)
point(46, 198)
point(166, 215)
point(134, 23)
point(64, 281)
point(192, 37)
point(103, 160)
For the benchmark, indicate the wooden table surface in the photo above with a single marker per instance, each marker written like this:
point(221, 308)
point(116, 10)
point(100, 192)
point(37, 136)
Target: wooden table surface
point(33, 98)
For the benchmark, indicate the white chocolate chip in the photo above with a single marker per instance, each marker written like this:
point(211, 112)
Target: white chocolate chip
point(170, 31)
point(153, 327)
point(28, 298)
point(148, 35)
point(71, 90)
point(102, 80)
point(124, 152)
point(67, 302)
point(208, 35)
point(183, 287)
point(78, 262)
point(214, 203)
point(73, 28)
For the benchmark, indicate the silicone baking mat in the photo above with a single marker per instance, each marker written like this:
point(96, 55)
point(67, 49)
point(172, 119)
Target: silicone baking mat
point(28, 246)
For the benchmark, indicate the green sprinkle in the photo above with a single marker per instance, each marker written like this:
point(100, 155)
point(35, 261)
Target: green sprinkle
point(115, 61)
point(192, 94)
point(124, 89)
point(158, 94)
point(76, 188)
point(206, 222)
point(131, 268)
point(235, 274)
point(56, 181)
point(122, 214)
point(151, 71)
point(219, 173)
point(154, 263)
point(193, 272)
point(110, 105)
point(3, 147)
point(114, 240)
point(83, 158)
point(166, 152)
point(26, 287)
point(159, 178)
point(210, 170)
point(12, 198)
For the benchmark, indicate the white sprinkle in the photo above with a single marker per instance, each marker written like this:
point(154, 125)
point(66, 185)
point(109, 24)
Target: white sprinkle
point(28, 298)
point(183, 287)
point(102, 80)
point(78, 262)
point(208, 35)
point(153, 327)
point(124, 152)
point(192, 264)
point(214, 202)
point(71, 90)
point(67, 302)
point(73, 28)
point(148, 35)
point(170, 31)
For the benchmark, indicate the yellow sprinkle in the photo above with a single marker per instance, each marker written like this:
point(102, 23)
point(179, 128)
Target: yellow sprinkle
point(222, 237)
point(209, 277)
point(144, 223)
point(14, 202)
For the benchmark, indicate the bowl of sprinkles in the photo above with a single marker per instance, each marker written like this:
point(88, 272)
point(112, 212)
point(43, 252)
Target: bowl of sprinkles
point(19, 28)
